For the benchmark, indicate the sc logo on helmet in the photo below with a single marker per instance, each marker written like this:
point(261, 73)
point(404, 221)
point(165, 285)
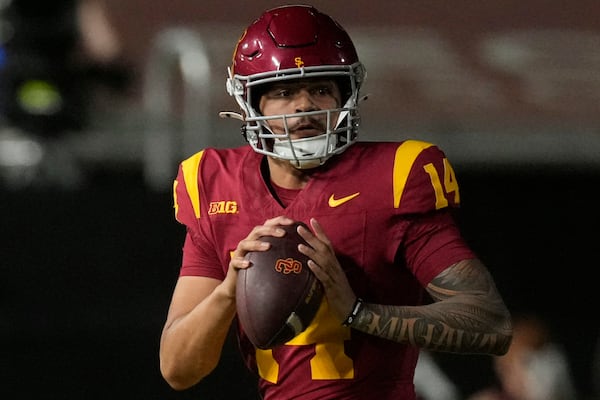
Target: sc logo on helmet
point(298, 61)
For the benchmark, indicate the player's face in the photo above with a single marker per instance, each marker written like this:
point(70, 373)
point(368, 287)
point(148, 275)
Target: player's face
point(301, 96)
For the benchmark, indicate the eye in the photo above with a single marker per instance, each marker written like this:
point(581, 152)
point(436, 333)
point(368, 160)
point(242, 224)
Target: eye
point(324, 90)
point(279, 92)
point(283, 93)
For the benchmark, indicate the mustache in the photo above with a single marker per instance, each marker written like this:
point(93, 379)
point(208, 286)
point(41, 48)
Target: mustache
point(307, 123)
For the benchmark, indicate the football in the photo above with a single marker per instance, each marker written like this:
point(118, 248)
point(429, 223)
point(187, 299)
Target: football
point(278, 295)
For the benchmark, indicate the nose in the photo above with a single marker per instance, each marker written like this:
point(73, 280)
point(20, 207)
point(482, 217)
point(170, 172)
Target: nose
point(304, 102)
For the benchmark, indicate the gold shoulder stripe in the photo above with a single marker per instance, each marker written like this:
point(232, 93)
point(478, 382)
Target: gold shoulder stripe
point(175, 203)
point(406, 154)
point(190, 169)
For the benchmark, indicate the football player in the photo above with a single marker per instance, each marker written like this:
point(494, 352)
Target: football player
point(396, 272)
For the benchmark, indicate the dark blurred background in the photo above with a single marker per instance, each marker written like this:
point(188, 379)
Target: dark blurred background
point(99, 100)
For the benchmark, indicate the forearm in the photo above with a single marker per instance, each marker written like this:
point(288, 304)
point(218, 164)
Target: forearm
point(447, 326)
point(191, 345)
point(467, 316)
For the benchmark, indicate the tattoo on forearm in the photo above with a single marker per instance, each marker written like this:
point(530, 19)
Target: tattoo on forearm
point(468, 321)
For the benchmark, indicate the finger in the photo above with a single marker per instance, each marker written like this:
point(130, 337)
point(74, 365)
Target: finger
point(253, 241)
point(247, 245)
point(305, 233)
point(318, 250)
point(313, 248)
point(239, 263)
point(309, 238)
point(271, 227)
point(279, 220)
point(319, 232)
point(318, 271)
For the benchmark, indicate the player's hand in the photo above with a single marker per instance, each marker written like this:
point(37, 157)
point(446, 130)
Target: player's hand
point(324, 263)
point(252, 243)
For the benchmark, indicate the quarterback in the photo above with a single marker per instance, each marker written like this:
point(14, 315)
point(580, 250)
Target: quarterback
point(397, 274)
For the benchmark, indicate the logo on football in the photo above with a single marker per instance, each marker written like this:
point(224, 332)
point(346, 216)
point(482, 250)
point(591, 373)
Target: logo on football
point(278, 296)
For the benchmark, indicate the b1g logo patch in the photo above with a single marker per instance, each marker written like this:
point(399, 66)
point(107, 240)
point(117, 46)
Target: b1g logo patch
point(223, 207)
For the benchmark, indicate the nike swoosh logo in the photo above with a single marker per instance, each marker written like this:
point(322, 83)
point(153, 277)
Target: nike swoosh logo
point(333, 202)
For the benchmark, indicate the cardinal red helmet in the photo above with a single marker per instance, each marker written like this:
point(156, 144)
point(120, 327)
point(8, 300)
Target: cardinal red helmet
point(293, 42)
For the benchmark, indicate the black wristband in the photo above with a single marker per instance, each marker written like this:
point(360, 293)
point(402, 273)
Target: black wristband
point(355, 310)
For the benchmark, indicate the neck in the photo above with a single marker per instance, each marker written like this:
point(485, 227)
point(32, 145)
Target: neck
point(284, 175)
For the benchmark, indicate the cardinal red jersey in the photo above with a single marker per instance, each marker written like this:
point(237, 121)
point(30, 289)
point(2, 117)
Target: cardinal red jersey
point(386, 208)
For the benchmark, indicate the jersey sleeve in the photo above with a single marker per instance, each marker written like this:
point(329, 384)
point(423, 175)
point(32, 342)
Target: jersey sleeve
point(433, 243)
point(199, 255)
point(426, 193)
point(423, 179)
